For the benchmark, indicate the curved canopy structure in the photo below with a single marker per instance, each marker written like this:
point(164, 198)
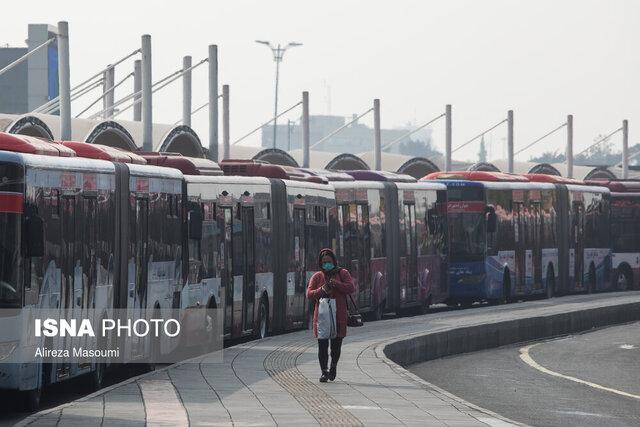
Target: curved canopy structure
point(277, 157)
point(545, 169)
point(347, 161)
point(112, 134)
point(600, 173)
point(483, 167)
point(418, 167)
point(180, 139)
point(30, 125)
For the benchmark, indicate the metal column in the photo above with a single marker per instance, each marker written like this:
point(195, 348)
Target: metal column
point(64, 81)
point(510, 141)
point(569, 152)
point(377, 143)
point(305, 130)
point(137, 87)
point(447, 155)
point(213, 103)
point(625, 149)
point(147, 108)
point(186, 91)
point(108, 92)
point(226, 147)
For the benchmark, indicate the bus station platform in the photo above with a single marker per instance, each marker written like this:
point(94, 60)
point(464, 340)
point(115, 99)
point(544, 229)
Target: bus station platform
point(274, 381)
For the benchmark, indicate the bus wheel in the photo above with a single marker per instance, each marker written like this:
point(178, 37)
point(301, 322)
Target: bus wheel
point(592, 279)
point(32, 399)
point(424, 308)
point(379, 311)
point(97, 377)
point(623, 280)
point(551, 283)
point(506, 288)
point(263, 314)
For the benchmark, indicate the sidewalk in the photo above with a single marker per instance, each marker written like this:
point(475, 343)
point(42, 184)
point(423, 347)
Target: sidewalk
point(275, 381)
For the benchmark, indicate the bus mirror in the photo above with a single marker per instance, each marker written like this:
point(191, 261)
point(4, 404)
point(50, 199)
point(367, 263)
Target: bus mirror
point(431, 220)
point(491, 219)
point(34, 228)
point(195, 225)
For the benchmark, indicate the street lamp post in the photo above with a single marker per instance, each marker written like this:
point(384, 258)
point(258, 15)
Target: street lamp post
point(278, 54)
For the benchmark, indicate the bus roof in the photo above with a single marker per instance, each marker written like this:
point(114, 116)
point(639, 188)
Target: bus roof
point(554, 179)
point(476, 176)
point(32, 145)
point(103, 152)
point(367, 175)
point(332, 176)
point(267, 170)
point(186, 165)
point(618, 186)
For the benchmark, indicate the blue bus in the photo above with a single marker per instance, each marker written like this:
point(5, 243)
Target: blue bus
point(515, 237)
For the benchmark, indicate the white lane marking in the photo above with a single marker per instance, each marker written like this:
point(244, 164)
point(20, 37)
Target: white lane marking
point(162, 403)
point(627, 346)
point(360, 407)
point(526, 358)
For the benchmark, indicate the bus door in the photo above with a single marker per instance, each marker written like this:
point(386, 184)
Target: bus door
point(536, 212)
point(343, 250)
point(518, 211)
point(85, 277)
point(297, 300)
point(411, 253)
point(138, 293)
point(354, 237)
point(363, 255)
point(249, 279)
point(577, 238)
point(67, 286)
point(226, 257)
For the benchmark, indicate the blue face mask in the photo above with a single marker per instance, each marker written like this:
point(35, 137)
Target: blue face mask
point(327, 266)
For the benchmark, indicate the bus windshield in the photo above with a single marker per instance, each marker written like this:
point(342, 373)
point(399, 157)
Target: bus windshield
point(10, 226)
point(466, 235)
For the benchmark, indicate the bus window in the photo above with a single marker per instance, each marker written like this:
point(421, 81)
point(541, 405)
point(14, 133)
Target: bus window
point(466, 234)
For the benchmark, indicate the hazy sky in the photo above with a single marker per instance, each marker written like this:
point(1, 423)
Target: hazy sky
point(544, 59)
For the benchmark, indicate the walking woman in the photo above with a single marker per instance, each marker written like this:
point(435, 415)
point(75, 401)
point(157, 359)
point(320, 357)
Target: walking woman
point(330, 286)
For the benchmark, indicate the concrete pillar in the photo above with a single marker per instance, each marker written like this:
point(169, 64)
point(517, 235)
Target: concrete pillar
point(447, 150)
point(377, 142)
point(64, 82)
point(510, 141)
point(306, 160)
point(213, 103)
point(625, 149)
point(569, 152)
point(186, 91)
point(137, 87)
point(147, 107)
point(226, 146)
point(108, 97)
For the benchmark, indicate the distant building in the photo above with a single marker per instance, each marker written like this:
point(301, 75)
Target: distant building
point(356, 138)
point(34, 81)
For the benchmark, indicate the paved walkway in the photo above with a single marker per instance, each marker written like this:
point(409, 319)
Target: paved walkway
point(275, 381)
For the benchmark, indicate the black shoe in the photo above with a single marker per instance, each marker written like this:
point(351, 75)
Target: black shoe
point(332, 373)
point(324, 377)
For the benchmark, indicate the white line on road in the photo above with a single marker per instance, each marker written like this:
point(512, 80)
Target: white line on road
point(526, 358)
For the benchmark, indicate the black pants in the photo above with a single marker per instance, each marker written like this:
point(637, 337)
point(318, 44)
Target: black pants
point(323, 352)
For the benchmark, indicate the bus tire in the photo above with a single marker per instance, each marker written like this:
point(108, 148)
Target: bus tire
point(424, 308)
point(32, 399)
point(506, 287)
point(378, 313)
point(551, 282)
point(623, 279)
point(592, 279)
point(263, 319)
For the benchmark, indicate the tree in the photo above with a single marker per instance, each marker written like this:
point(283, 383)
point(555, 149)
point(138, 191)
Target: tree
point(549, 157)
point(418, 148)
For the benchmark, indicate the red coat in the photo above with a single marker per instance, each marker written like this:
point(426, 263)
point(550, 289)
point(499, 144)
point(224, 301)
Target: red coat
point(342, 288)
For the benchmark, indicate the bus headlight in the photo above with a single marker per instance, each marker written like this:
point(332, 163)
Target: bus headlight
point(473, 279)
point(6, 348)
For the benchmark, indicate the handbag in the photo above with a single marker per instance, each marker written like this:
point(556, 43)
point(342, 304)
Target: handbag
point(354, 320)
point(326, 326)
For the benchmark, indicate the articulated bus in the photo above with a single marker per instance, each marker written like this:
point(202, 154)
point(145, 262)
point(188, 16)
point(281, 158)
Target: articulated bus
point(517, 237)
point(391, 236)
point(625, 232)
